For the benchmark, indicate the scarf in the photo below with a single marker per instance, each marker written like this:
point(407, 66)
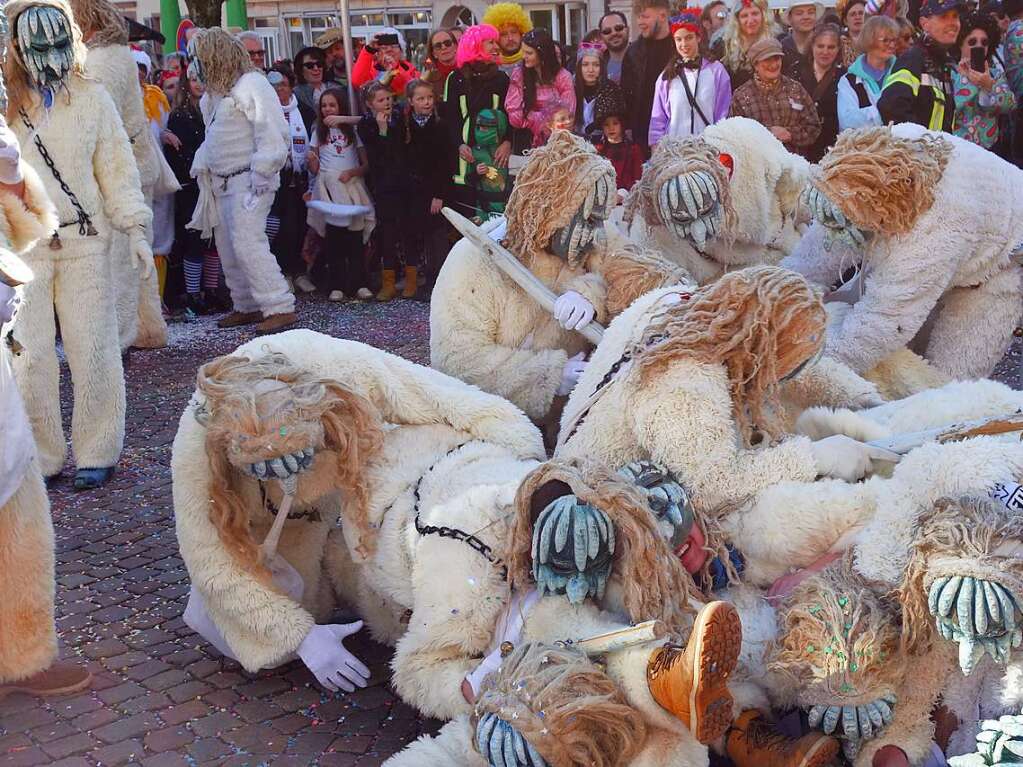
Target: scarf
point(515, 58)
point(859, 69)
point(764, 85)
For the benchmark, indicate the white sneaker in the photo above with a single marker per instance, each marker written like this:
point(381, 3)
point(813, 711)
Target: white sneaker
point(336, 296)
point(364, 293)
point(304, 284)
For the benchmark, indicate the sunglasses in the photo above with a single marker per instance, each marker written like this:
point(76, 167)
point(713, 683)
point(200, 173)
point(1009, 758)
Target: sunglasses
point(976, 42)
point(613, 30)
point(312, 65)
point(449, 43)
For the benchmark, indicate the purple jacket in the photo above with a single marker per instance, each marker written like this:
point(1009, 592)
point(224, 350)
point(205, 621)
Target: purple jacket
point(672, 115)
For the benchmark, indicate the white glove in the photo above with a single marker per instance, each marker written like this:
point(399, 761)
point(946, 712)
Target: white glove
point(574, 368)
point(10, 156)
point(323, 653)
point(573, 311)
point(843, 457)
point(141, 252)
point(9, 300)
point(260, 184)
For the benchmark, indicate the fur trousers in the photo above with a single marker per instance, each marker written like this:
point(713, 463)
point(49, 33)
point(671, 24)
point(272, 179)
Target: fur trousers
point(28, 639)
point(251, 270)
point(72, 284)
point(973, 327)
point(126, 288)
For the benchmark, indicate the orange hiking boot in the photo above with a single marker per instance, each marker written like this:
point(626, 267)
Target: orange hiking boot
point(236, 319)
point(387, 289)
point(754, 741)
point(61, 678)
point(276, 322)
point(691, 683)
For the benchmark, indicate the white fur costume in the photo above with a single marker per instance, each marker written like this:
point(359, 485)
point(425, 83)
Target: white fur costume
point(28, 642)
point(950, 272)
point(426, 413)
point(765, 184)
point(138, 300)
point(87, 142)
point(245, 132)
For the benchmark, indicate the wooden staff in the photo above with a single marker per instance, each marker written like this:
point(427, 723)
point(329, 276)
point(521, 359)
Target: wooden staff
point(1001, 424)
point(620, 639)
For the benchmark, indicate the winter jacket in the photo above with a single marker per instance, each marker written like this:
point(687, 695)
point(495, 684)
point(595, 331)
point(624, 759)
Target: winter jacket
point(919, 89)
point(644, 62)
point(672, 113)
point(366, 69)
point(387, 155)
point(185, 123)
point(786, 104)
point(857, 96)
point(464, 98)
point(627, 159)
point(549, 98)
point(825, 99)
point(430, 162)
point(978, 112)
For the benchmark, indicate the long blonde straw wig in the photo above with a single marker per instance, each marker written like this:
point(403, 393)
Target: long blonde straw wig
point(264, 408)
point(571, 712)
point(21, 89)
point(656, 586)
point(838, 640)
point(958, 536)
point(222, 56)
point(102, 24)
point(882, 182)
point(549, 190)
point(760, 323)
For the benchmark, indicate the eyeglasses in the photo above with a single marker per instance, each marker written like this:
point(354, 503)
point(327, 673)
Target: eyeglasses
point(312, 65)
point(886, 41)
point(721, 14)
point(449, 43)
point(613, 30)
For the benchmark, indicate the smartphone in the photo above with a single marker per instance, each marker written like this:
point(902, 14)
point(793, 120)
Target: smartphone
point(387, 40)
point(978, 58)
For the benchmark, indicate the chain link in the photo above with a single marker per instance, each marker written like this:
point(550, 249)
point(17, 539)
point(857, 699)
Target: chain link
point(85, 227)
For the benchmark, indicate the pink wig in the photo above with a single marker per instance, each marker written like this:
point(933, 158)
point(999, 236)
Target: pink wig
point(470, 47)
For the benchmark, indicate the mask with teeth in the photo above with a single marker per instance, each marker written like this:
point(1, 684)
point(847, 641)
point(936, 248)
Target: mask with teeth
point(689, 205)
point(669, 502)
point(585, 231)
point(837, 228)
point(46, 44)
point(502, 745)
point(573, 549)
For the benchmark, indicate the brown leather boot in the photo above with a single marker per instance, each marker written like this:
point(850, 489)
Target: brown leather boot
point(691, 683)
point(411, 279)
point(234, 319)
point(276, 322)
point(754, 741)
point(61, 678)
point(387, 290)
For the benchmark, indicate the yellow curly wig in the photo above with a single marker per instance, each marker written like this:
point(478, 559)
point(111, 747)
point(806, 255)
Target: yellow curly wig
point(503, 14)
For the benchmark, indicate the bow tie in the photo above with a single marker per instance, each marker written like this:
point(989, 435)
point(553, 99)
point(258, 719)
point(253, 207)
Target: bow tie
point(691, 64)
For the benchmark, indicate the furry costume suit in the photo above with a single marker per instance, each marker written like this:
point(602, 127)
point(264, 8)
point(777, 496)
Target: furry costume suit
point(87, 143)
point(425, 416)
point(947, 283)
point(487, 331)
point(28, 642)
point(758, 223)
point(139, 314)
point(245, 132)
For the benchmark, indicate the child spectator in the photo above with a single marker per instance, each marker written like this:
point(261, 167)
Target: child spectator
point(561, 119)
point(337, 157)
point(381, 131)
point(627, 157)
point(487, 176)
point(430, 166)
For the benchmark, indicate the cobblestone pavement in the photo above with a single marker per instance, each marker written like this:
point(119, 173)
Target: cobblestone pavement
point(162, 697)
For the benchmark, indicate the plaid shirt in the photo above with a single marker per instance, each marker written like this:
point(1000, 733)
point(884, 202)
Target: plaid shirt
point(787, 105)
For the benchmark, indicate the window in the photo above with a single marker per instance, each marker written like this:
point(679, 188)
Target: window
point(576, 25)
point(545, 18)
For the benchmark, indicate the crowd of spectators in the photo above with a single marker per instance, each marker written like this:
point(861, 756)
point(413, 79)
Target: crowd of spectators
point(358, 206)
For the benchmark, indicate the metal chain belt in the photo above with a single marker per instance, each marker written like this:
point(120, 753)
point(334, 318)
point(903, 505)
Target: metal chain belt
point(84, 222)
point(454, 533)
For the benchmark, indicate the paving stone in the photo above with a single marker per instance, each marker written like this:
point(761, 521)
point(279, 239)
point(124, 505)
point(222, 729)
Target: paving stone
point(78, 743)
point(118, 753)
point(127, 728)
point(168, 739)
point(193, 709)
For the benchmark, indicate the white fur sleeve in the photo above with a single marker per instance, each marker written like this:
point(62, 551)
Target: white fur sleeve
point(684, 421)
point(256, 98)
point(116, 172)
point(262, 626)
point(900, 292)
